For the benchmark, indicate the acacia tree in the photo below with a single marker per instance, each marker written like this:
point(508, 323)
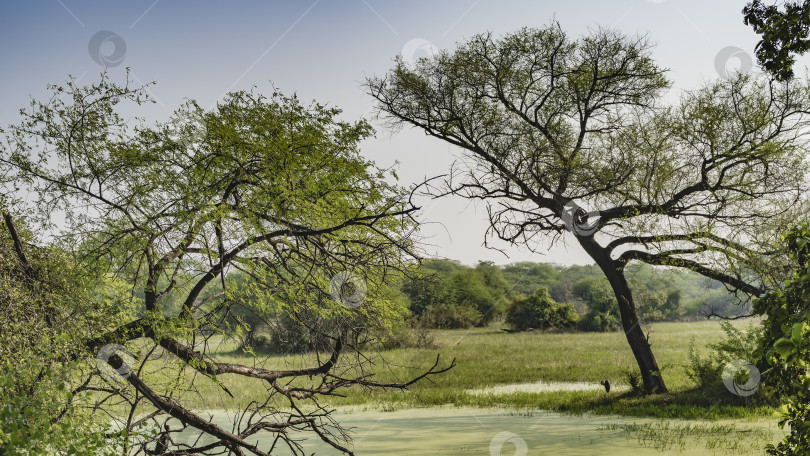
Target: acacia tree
point(163, 213)
point(549, 125)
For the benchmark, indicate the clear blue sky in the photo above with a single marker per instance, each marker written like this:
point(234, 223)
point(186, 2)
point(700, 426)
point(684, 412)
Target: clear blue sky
point(323, 50)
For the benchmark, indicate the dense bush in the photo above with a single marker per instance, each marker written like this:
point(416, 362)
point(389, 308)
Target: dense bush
point(603, 310)
point(430, 285)
point(785, 345)
point(491, 279)
point(48, 304)
point(737, 344)
point(706, 372)
point(410, 335)
point(273, 327)
point(539, 311)
point(449, 316)
point(446, 294)
point(292, 333)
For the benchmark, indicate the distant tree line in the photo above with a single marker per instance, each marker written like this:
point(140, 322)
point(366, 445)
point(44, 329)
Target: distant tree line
point(445, 294)
point(527, 295)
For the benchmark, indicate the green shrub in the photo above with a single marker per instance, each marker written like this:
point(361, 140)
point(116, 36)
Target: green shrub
point(539, 311)
point(603, 310)
point(261, 341)
point(449, 316)
point(705, 372)
point(27, 424)
point(633, 379)
point(737, 344)
point(785, 345)
point(414, 335)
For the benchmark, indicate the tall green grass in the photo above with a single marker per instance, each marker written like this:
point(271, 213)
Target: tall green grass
point(488, 357)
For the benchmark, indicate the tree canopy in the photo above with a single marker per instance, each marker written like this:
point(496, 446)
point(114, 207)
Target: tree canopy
point(266, 186)
point(784, 34)
point(567, 134)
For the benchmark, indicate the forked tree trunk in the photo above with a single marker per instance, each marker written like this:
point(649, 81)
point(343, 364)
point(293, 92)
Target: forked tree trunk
point(614, 272)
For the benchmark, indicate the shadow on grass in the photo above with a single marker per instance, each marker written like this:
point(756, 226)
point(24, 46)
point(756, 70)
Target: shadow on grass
point(692, 404)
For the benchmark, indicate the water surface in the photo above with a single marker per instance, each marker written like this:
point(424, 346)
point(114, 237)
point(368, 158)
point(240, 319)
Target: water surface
point(474, 431)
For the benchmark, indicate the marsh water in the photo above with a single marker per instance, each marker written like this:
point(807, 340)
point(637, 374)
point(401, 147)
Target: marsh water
point(495, 432)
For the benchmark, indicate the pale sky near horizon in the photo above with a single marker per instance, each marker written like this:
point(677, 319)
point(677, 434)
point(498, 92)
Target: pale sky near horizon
point(324, 50)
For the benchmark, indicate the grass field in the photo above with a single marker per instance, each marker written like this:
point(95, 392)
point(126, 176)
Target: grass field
point(488, 357)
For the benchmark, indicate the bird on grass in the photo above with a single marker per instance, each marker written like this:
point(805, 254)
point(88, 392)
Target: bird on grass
point(606, 384)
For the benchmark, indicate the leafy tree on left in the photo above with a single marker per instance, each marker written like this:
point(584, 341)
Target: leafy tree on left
point(164, 213)
point(46, 310)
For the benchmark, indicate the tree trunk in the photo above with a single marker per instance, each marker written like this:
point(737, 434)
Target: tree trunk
point(614, 272)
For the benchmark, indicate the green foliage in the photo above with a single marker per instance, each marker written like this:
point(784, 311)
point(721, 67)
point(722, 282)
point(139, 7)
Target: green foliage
point(539, 311)
point(526, 277)
point(27, 426)
point(496, 286)
point(653, 305)
point(46, 310)
point(562, 290)
point(633, 380)
point(429, 285)
point(784, 34)
point(785, 345)
point(447, 315)
point(603, 311)
point(289, 329)
point(409, 334)
point(482, 289)
point(704, 372)
point(686, 294)
point(162, 219)
point(446, 294)
point(737, 344)
point(660, 294)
